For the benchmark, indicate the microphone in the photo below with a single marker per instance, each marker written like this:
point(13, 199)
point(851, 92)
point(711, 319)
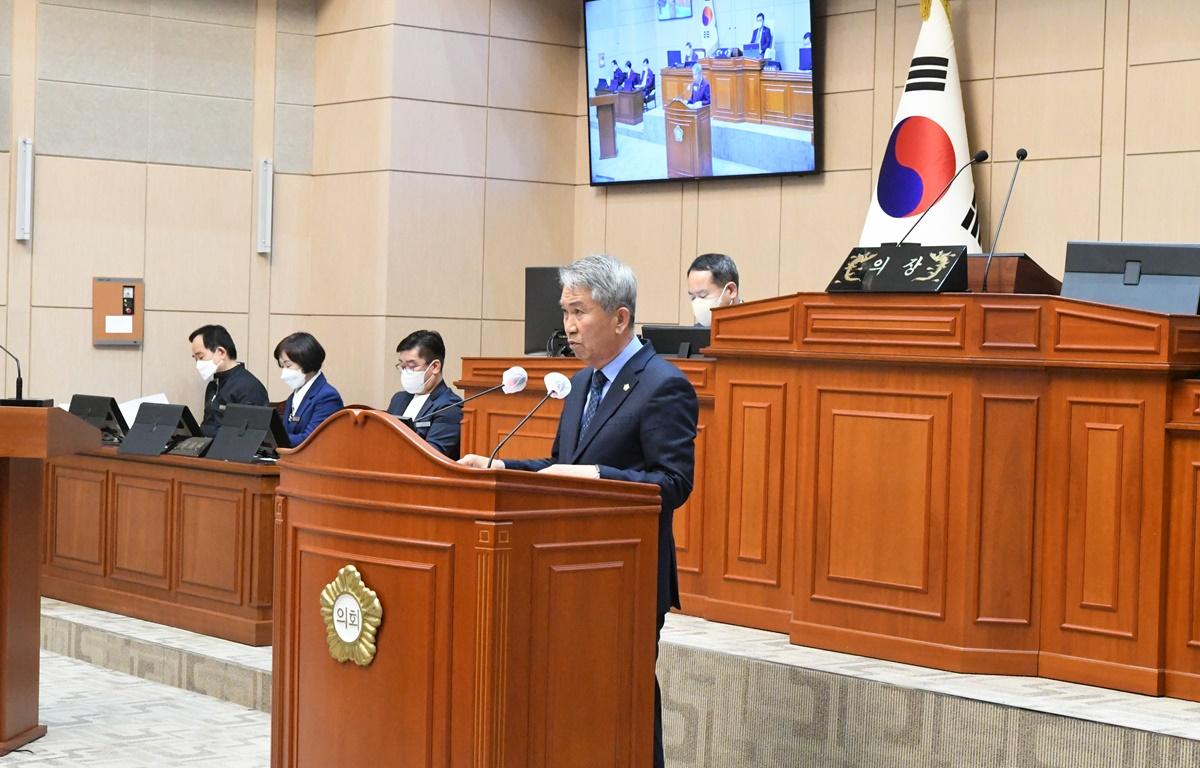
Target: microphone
point(978, 157)
point(1021, 155)
point(513, 381)
point(18, 362)
point(557, 387)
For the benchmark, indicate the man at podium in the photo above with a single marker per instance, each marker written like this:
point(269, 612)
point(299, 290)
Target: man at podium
point(698, 90)
point(630, 414)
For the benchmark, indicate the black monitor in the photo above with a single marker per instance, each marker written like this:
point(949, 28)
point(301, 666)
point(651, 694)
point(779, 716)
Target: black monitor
point(543, 315)
point(157, 427)
point(1158, 278)
point(249, 432)
point(103, 414)
point(677, 340)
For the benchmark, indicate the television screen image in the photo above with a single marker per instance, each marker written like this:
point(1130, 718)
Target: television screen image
point(727, 92)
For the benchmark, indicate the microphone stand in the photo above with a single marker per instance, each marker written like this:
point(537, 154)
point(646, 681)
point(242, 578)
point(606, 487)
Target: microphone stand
point(978, 157)
point(1021, 155)
point(513, 431)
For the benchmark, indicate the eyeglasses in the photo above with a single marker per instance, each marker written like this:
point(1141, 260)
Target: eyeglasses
point(403, 366)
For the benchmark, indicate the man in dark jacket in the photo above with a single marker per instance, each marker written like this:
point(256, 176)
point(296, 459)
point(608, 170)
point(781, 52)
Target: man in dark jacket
point(422, 356)
point(227, 380)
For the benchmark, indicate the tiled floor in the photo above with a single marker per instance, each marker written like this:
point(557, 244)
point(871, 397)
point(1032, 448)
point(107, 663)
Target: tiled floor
point(103, 719)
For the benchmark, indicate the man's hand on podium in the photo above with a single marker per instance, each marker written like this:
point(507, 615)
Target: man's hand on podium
point(480, 462)
point(589, 471)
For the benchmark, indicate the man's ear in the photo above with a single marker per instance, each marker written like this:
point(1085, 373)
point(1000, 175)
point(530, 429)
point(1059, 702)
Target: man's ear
point(623, 315)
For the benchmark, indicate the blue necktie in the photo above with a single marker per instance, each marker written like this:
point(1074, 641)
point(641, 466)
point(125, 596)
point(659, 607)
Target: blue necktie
point(593, 403)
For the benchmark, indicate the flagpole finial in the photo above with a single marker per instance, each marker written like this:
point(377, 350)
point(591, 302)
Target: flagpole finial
point(926, 6)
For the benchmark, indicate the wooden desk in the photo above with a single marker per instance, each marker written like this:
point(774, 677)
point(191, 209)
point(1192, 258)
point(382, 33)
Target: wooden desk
point(488, 419)
point(742, 92)
point(606, 103)
point(629, 104)
point(174, 540)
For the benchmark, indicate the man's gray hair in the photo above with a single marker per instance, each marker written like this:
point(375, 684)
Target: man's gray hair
point(612, 284)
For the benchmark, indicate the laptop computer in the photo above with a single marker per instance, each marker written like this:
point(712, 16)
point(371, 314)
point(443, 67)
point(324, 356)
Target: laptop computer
point(752, 51)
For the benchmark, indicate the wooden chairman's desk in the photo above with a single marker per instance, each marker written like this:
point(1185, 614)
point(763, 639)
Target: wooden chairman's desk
point(981, 483)
point(173, 540)
point(743, 92)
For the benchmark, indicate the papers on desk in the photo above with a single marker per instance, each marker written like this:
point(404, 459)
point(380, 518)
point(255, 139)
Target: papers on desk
point(129, 408)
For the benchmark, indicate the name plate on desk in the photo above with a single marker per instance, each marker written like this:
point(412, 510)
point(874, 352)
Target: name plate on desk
point(907, 268)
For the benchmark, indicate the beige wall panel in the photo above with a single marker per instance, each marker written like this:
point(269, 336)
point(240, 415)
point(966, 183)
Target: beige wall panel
point(291, 242)
point(293, 138)
point(91, 222)
point(977, 105)
point(846, 133)
point(9, 388)
point(92, 121)
point(295, 62)
point(583, 155)
point(342, 15)
point(428, 137)
point(689, 228)
point(86, 46)
point(352, 137)
point(1161, 198)
point(298, 17)
point(831, 7)
point(462, 339)
point(63, 361)
point(531, 146)
point(822, 219)
point(1162, 112)
point(5, 213)
point(1036, 37)
point(743, 220)
point(234, 12)
point(167, 364)
point(120, 6)
point(354, 65)
point(974, 25)
point(198, 239)
point(591, 214)
point(204, 59)
point(5, 110)
point(200, 130)
point(845, 39)
point(352, 355)
point(1054, 201)
point(538, 21)
point(503, 338)
point(1163, 30)
point(439, 66)
point(535, 77)
point(526, 225)
point(435, 266)
point(460, 15)
point(346, 271)
point(642, 229)
point(1051, 115)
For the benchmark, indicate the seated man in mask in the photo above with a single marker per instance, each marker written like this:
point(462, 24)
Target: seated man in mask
point(712, 281)
point(422, 355)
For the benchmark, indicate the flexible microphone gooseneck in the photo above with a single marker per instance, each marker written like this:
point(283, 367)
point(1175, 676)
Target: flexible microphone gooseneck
point(18, 362)
point(1021, 155)
point(557, 386)
point(978, 157)
point(515, 380)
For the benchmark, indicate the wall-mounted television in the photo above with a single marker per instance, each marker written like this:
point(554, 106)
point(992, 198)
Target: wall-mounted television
point(725, 91)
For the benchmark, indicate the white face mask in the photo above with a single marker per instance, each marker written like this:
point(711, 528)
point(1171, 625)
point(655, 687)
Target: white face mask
point(702, 308)
point(413, 382)
point(207, 369)
point(293, 378)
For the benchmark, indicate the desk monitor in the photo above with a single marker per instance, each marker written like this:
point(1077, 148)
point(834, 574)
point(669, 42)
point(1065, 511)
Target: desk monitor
point(248, 432)
point(543, 315)
point(677, 340)
point(700, 53)
point(674, 59)
point(1158, 278)
point(752, 51)
point(157, 427)
point(103, 414)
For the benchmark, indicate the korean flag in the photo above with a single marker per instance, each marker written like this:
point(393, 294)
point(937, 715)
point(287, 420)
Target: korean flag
point(927, 145)
point(707, 22)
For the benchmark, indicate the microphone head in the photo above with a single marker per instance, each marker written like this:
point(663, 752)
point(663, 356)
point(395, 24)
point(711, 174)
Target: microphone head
point(557, 385)
point(980, 156)
point(1022, 153)
point(514, 380)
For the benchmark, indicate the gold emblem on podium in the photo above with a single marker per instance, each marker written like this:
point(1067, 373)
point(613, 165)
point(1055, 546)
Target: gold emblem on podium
point(352, 615)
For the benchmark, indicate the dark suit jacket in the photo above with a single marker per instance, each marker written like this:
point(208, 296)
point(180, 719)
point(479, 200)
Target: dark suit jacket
point(766, 41)
point(644, 431)
point(319, 403)
point(700, 93)
point(442, 431)
point(648, 84)
point(618, 79)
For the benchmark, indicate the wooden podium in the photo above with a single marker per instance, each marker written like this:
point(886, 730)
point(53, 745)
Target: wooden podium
point(518, 609)
point(28, 436)
point(605, 104)
point(689, 140)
